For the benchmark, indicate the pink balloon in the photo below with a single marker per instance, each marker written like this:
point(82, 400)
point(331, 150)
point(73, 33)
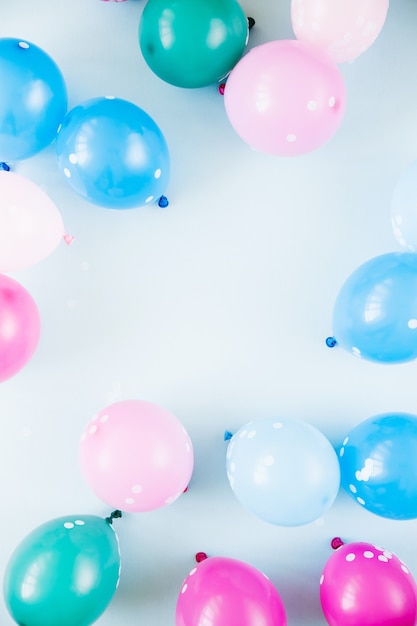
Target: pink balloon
point(366, 585)
point(31, 226)
point(19, 327)
point(226, 592)
point(343, 29)
point(136, 456)
point(285, 98)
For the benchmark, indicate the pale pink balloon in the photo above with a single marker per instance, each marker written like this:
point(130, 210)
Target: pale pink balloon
point(136, 456)
point(31, 226)
point(285, 98)
point(343, 29)
point(367, 585)
point(19, 327)
point(221, 591)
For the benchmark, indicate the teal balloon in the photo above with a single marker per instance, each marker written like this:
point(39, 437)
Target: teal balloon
point(33, 99)
point(375, 313)
point(64, 573)
point(192, 43)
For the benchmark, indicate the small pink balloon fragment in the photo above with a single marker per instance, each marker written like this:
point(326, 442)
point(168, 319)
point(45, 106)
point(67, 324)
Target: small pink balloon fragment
point(136, 456)
point(19, 327)
point(220, 591)
point(285, 98)
point(343, 29)
point(367, 585)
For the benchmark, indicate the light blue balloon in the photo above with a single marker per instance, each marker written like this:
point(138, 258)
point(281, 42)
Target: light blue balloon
point(113, 154)
point(33, 99)
point(375, 313)
point(284, 471)
point(378, 461)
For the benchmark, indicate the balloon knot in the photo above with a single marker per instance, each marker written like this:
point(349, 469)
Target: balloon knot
point(251, 22)
point(185, 490)
point(4, 166)
point(336, 543)
point(68, 239)
point(227, 435)
point(331, 342)
point(163, 202)
point(114, 515)
point(200, 556)
point(221, 89)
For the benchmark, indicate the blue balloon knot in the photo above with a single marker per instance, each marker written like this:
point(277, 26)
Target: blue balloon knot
point(331, 342)
point(4, 166)
point(163, 202)
point(227, 435)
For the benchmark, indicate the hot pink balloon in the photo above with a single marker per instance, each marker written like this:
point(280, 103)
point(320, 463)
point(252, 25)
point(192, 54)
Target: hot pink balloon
point(343, 29)
point(19, 327)
point(366, 585)
point(285, 98)
point(136, 456)
point(226, 592)
point(31, 226)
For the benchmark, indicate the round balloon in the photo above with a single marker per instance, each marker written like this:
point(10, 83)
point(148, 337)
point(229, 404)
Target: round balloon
point(136, 456)
point(404, 208)
point(31, 226)
point(64, 572)
point(192, 44)
point(367, 585)
point(113, 154)
point(284, 471)
point(375, 313)
point(19, 327)
point(343, 29)
point(33, 99)
point(227, 592)
point(378, 461)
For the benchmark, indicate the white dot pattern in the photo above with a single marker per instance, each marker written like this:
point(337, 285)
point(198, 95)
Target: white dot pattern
point(412, 324)
point(350, 557)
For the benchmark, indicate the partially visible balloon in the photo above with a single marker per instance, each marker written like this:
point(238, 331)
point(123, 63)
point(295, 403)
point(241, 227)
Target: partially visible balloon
point(64, 572)
point(19, 327)
point(192, 44)
point(404, 208)
point(343, 29)
point(378, 462)
point(284, 471)
point(375, 313)
point(33, 99)
point(136, 456)
point(367, 585)
point(113, 154)
point(285, 98)
point(31, 226)
point(221, 591)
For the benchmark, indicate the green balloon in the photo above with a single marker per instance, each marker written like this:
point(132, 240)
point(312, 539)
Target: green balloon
point(64, 573)
point(192, 43)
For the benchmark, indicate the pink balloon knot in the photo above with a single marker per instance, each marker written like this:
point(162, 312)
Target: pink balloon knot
point(221, 89)
point(68, 239)
point(200, 556)
point(185, 490)
point(336, 543)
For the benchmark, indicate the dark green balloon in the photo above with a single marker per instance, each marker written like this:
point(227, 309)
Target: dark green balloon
point(192, 43)
point(64, 573)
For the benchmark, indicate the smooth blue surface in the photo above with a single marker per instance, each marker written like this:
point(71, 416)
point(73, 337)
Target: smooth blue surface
point(284, 471)
point(113, 154)
point(378, 461)
point(375, 313)
point(33, 99)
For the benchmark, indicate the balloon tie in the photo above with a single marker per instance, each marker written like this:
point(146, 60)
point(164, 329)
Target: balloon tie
point(251, 22)
point(114, 515)
point(201, 556)
point(4, 166)
point(68, 239)
point(227, 435)
point(336, 543)
point(331, 342)
point(163, 202)
point(221, 88)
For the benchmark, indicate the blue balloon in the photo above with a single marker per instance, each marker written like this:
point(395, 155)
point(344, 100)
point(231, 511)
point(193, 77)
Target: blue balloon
point(33, 99)
point(375, 313)
point(113, 154)
point(378, 462)
point(284, 471)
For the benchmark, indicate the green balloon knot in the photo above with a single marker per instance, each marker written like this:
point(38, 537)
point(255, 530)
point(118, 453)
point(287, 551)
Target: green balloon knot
point(114, 515)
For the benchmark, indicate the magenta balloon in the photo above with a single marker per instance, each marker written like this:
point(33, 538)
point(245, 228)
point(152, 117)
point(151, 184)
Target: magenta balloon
point(226, 592)
point(366, 585)
point(19, 327)
point(285, 98)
